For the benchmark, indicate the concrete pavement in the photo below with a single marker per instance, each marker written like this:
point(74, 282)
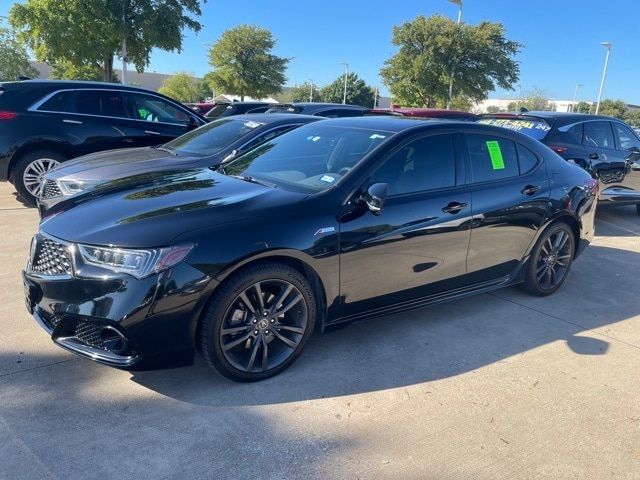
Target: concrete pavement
point(500, 386)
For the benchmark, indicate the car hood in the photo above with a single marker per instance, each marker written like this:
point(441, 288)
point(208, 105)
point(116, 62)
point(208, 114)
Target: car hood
point(153, 215)
point(98, 168)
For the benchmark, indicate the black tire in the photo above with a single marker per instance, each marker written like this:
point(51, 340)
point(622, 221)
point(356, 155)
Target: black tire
point(27, 162)
point(550, 260)
point(236, 306)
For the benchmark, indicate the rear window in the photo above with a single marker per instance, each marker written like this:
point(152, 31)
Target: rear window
point(535, 128)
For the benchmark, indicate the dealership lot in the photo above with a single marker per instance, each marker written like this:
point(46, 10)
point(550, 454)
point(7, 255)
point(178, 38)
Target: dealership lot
point(496, 386)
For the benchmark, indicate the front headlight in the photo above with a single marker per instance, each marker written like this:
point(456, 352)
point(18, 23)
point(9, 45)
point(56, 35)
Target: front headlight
point(72, 187)
point(139, 263)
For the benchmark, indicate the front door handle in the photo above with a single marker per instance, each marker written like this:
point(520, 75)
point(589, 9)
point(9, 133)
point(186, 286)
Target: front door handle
point(151, 132)
point(72, 122)
point(593, 156)
point(530, 189)
point(454, 207)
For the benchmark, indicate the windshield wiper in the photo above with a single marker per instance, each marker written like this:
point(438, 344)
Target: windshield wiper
point(248, 178)
point(166, 149)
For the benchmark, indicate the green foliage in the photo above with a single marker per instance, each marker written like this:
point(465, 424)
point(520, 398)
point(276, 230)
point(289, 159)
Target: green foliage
point(65, 70)
point(613, 108)
point(582, 107)
point(492, 109)
point(244, 65)
point(14, 61)
point(86, 35)
point(632, 117)
point(435, 49)
point(183, 87)
point(535, 100)
point(302, 93)
point(358, 92)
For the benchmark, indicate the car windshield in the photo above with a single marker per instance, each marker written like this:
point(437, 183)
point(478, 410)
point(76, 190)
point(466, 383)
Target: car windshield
point(213, 137)
point(311, 158)
point(534, 127)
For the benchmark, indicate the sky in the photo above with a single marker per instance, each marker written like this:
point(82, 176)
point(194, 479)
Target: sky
point(560, 38)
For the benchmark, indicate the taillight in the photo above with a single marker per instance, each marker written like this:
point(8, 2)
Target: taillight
point(7, 115)
point(592, 185)
point(557, 149)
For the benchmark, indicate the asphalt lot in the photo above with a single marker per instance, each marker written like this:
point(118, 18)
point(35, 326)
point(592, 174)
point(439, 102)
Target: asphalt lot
point(498, 386)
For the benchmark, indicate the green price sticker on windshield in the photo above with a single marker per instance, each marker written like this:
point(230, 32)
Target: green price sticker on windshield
point(497, 162)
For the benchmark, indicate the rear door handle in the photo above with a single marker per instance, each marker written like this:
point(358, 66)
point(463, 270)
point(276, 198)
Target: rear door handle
point(151, 132)
point(72, 122)
point(454, 207)
point(530, 189)
point(593, 156)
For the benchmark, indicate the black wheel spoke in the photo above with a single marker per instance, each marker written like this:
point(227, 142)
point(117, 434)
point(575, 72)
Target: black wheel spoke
point(254, 352)
point(278, 301)
point(234, 343)
point(265, 354)
point(247, 302)
point(290, 328)
point(289, 305)
point(231, 330)
point(285, 340)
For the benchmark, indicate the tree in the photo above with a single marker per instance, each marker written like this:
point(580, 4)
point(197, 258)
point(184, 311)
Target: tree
point(182, 87)
point(632, 117)
point(582, 107)
point(358, 92)
point(86, 35)
point(493, 109)
point(14, 61)
point(535, 100)
point(613, 108)
point(433, 50)
point(244, 65)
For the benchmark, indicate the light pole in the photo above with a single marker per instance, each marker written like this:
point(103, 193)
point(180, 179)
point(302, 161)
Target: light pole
point(346, 74)
point(575, 96)
point(310, 90)
point(608, 46)
point(459, 3)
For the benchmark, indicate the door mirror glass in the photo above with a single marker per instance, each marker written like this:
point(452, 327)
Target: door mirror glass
point(375, 196)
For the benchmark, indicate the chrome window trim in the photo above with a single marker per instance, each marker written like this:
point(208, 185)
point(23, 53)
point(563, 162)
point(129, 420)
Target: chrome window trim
point(36, 105)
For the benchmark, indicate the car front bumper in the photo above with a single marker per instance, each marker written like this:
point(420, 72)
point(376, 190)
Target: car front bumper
point(117, 319)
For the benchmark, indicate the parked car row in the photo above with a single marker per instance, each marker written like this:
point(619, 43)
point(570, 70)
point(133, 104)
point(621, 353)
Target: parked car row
point(162, 252)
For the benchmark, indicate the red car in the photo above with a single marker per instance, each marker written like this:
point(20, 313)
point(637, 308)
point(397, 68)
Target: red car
point(200, 107)
point(426, 113)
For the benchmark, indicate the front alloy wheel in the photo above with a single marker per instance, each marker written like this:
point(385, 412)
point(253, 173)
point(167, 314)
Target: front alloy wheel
point(259, 322)
point(32, 178)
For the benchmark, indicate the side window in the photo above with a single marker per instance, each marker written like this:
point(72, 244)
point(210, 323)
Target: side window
point(424, 164)
point(154, 109)
point(526, 159)
point(491, 158)
point(575, 133)
point(57, 103)
point(98, 102)
point(598, 134)
point(627, 139)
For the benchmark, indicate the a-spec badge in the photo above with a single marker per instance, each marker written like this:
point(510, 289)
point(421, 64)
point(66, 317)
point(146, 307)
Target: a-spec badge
point(322, 231)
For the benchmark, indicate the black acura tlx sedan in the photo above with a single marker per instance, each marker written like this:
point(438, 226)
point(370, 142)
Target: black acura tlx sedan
point(335, 221)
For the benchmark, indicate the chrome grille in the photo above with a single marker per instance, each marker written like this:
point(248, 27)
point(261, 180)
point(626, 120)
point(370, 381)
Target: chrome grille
point(89, 334)
point(51, 189)
point(52, 258)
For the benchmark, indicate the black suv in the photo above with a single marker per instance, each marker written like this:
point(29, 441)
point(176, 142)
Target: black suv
point(606, 147)
point(44, 123)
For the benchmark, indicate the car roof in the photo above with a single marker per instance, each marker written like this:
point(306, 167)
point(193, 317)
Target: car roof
point(313, 106)
point(562, 118)
point(76, 84)
point(269, 118)
point(390, 123)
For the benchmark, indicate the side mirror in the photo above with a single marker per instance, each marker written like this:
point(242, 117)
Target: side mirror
point(231, 156)
point(375, 197)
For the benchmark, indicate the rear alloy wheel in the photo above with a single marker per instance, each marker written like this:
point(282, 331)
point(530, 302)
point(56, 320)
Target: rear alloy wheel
point(30, 170)
point(259, 322)
point(550, 260)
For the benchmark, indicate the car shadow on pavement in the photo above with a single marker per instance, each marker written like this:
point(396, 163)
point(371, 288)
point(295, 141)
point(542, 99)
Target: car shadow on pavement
point(616, 221)
point(432, 343)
